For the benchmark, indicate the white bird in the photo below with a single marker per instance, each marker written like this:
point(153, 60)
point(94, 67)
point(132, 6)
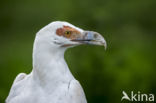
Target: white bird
point(51, 80)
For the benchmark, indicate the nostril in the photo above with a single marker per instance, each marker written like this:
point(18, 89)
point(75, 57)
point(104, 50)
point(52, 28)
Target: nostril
point(95, 36)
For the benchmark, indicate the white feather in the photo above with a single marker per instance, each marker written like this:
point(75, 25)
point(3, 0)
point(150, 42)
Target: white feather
point(50, 80)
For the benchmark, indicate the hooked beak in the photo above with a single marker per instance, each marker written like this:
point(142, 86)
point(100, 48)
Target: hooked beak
point(92, 38)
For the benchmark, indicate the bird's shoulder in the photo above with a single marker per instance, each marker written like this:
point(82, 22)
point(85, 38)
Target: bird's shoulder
point(76, 92)
point(19, 77)
point(14, 91)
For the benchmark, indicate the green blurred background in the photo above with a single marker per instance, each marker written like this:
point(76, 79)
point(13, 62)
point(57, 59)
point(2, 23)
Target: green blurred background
point(129, 26)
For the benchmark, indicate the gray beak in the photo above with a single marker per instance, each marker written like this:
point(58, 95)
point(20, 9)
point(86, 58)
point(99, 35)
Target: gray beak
point(92, 38)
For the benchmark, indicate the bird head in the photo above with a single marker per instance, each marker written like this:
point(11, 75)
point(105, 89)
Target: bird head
point(65, 35)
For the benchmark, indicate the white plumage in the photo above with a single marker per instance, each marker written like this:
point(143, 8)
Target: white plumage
point(51, 80)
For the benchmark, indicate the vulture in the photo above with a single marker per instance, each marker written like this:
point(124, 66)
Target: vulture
point(50, 80)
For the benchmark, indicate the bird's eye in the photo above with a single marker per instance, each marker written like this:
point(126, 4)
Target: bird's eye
point(67, 34)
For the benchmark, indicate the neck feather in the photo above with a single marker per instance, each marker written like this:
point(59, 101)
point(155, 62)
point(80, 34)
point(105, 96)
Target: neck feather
point(49, 66)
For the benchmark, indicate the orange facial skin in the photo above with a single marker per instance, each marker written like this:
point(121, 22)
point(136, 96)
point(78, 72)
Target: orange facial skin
point(68, 32)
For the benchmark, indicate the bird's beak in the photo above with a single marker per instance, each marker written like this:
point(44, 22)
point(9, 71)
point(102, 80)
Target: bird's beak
point(92, 38)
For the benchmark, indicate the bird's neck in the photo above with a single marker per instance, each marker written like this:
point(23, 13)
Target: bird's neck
point(49, 66)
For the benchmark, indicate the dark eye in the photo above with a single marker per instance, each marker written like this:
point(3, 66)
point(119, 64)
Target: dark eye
point(67, 34)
